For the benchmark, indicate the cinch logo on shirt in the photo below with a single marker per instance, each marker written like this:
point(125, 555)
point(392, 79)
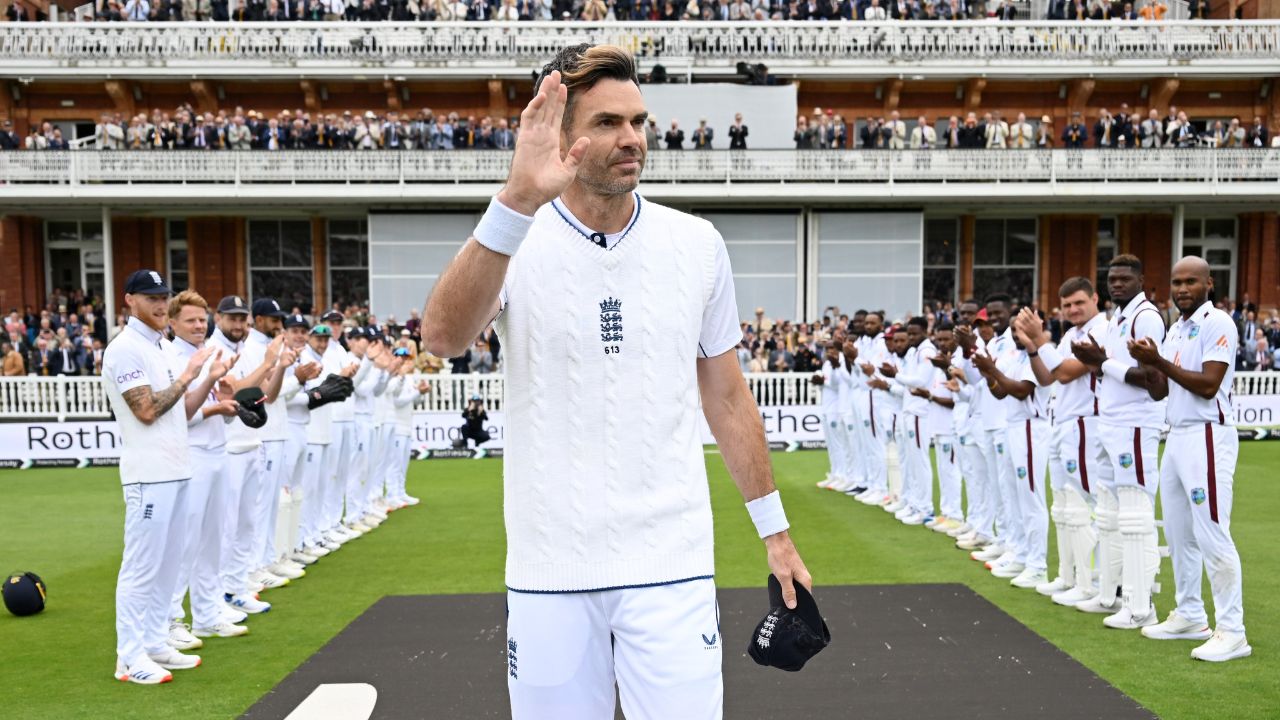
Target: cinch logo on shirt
point(132, 375)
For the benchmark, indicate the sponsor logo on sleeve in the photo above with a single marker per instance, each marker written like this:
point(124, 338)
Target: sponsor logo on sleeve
point(128, 376)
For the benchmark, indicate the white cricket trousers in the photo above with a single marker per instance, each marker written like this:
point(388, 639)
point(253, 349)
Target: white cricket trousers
point(878, 421)
point(267, 504)
point(359, 479)
point(244, 484)
point(660, 645)
point(153, 541)
point(397, 465)
point(340, 469)
point(316, 460)
point(202, 546)
point(948, 459)
point(917, 473)
point(289, 510)
point(833, 428)
point(984, 486)
point(860, 442)
point(384, 442)
point(1196, 479)
point(1029, 452)
point(972, 469)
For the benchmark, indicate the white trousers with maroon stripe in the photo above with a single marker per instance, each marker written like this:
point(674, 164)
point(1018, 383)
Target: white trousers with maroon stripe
point(947, 457)
point(1197, 477)
point(1133, 455)
point(1079, 446)
point(877, 426)
point(1028, 451)
point(833, 429)
point(917, 473)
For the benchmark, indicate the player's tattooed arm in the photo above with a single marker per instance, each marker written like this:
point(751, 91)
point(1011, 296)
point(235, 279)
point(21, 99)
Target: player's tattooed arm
point(149, 406)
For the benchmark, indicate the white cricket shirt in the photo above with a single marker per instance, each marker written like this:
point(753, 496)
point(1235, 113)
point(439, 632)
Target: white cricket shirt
point(1209, 335)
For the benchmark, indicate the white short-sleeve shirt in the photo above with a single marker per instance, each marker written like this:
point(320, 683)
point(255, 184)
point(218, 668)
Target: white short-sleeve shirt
point(141, 357)
point(1209, 335)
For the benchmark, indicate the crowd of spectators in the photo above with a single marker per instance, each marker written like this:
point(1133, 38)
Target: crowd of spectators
point(185, 128)
point(1123, 130)
point(605, 10)
point(64, 337)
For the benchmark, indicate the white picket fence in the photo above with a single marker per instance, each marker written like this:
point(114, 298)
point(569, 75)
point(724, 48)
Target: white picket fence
point(82, 398)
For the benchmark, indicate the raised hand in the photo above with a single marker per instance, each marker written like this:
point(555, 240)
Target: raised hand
point(288, 357)
point(850, 350)
point(888, 370)
point(966, 339)
point(539, 174)
point(221, 366)
point(224, 391)
point(942, 361)
point(1144, 350)
point(984, 363)
point(1090, 353)
point(307, 371)
point(196, 362)
point(226, 408)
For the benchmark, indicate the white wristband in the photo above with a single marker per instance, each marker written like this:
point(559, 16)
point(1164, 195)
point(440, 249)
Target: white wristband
point(502, 229)
point(767, 514)
point(1050, 356)
point(1114, 369)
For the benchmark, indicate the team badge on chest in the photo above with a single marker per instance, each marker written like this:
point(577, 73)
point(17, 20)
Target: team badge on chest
point(611, 325)
point(1194, 331)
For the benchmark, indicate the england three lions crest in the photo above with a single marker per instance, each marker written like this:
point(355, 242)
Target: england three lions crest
point(611, 321)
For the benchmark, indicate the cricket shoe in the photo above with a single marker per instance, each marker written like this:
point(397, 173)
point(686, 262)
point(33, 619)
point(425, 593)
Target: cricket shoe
point(255, 587)
point(827, 483)
point(1095, 605)
point(1004, 558)
point(342, 533)
point(1223, 646)
point(975, 543)
point(303, 557)
point(409, 500)
point(934, 521)
point(359, 526)
point(1008, 570)
point(232, 615)
point(992, 551)
point(143, 672)
point(248, 604)
point(854, 492)
point(222, 630)
point(171, 659)
point(370, 520)
point(268, 580)
point(1029, 578)
point(915, 518)
point(1124, 619)
point(1053, 587)
point(1074, 596)
point(287, 570)
point(844, 486)
point(903, 511)
point(331, 540)
point(961, 529)
point(180, 637)
point(871, 497)
point(895, 505)
point(1176, 627)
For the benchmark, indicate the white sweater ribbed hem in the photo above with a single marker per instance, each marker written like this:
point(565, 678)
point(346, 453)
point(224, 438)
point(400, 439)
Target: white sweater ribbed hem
point(613, 574)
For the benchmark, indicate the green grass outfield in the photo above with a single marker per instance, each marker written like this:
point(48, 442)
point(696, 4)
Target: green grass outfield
point(66, 525)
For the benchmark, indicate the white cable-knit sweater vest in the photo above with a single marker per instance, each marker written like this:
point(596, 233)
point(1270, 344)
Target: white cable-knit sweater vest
point(605, 482)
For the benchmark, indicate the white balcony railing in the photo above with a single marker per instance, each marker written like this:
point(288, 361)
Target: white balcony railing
point(79, 398)
point(85, 169)
point(799, 49)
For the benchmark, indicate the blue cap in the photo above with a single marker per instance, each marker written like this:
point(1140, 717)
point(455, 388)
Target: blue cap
point(267, 307)
point(146, 282)
point(296, 321)
point(401, 352)
point(322, 331)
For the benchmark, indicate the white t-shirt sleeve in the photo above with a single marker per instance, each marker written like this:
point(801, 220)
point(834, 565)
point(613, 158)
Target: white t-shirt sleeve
point(126, 367)
point(720, 329)
point(1218, 340)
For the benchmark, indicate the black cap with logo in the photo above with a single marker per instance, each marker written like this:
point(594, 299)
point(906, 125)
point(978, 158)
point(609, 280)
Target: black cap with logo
point(232, 305)
point(146, 282)
point(296, 321)
point(267, 307)
point(785, 638)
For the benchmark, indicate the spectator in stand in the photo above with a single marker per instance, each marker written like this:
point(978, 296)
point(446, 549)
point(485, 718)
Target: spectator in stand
point(1257, 137)
point(1007, 10)
point(64, 359)
point(995, 131)
point(897, 130)
point(702, 136)
point(1074, 135)
point(41, 358)
point(14, 364)
point(1183, 133)
point(760, 361)
point(875, 13)
point(8, 138)
point(674, 137)
point(1104, 131)
point(951, 136)
point(461, 365)
point(1152, 130)
point(1153, 10)
point(737, 133)
point(923, 136)
point(481, 359)
point(971, 136)
point(1021, 134)
point(870, 136)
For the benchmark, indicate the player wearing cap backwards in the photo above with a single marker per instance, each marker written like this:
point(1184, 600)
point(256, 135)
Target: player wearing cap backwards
point(1074, 467)
point(265, 338)
point(873, 408)
point(997, 475)
point(288, 540)
point(343, 471)
point(1194, 370)
point(244, 461)
point(1026, 412)
point(206, 435)
point(1130, 422)
point(144, 380)
point(609, 553)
